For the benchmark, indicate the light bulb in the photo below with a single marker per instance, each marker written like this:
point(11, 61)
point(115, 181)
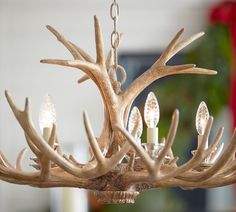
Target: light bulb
point(151, 111)
point(47, 114)
point(135, 117)
point(202, 118)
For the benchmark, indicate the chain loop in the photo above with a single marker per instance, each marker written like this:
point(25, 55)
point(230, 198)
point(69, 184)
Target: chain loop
point(115, 35)
point(115, 11)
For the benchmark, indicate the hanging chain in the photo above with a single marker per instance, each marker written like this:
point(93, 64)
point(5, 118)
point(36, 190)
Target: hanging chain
point(115, 36)
point(115, 42)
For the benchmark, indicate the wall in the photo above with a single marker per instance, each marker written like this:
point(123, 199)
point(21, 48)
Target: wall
point(148, 25)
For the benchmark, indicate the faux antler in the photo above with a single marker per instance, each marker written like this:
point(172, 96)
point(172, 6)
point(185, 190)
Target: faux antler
point(114, 179)
point(93, 169)
point(187, 175)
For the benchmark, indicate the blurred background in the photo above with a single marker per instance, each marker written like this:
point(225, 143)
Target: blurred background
point(148, 26)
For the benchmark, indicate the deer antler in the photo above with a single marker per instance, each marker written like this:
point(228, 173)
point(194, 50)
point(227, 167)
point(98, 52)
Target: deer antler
point(106, 172)
point(91, 170)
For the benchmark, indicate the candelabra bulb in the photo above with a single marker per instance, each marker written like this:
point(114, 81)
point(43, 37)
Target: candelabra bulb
point(47, 114)
point(202, 118)
point(151, 111)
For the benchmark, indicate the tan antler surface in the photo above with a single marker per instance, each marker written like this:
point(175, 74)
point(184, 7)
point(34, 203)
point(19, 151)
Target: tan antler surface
point(107, 171)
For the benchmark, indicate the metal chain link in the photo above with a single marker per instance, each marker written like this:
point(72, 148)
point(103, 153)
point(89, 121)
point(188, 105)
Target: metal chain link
point(115, 35)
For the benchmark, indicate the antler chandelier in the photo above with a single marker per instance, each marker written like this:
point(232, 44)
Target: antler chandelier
point(121, 165)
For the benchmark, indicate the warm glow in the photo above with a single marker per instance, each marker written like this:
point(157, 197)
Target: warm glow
point(151, 111)
point(135, 117)
point(47, 114)
point(202, 118)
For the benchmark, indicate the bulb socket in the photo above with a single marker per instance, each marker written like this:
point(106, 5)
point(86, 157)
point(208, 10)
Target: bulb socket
point(152, 135)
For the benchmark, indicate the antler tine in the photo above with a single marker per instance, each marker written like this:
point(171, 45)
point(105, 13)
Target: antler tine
point(33, 148)
point(84, 54)
point(99, 42)
point(215, 142)
point(216, 139)
point(211, 148)
point(154, 74)
point(150, 164)
point(76, 54)
point(163, 58)
point(44, 161)
point(19, 159)
point(197, 158)
point(89, 171)
point(4, 161)
point(184, 43)
point(92, 140)
point(83, 78)
point(108, 63)
point(170, 139)
point(53, 136)
point(82, 65)
point(221, 162)
point(217, 152)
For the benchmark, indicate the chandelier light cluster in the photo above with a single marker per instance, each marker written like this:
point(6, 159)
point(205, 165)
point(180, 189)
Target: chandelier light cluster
point(121, 165)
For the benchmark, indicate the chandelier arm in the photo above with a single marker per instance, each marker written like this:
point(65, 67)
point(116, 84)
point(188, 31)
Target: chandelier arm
point(71, 48)
point(20, 158)
point(56, 179)
point(173, 172)
point(170, 140)
point(90, 170)
point(221, 162)
point(163, 58)
point(196, 159)
point(209, 151)
point(211, 148)
point(151, 75)
point(18, 175)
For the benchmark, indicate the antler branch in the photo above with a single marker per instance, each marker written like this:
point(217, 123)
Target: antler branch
point(160, 70)
point(90, 170)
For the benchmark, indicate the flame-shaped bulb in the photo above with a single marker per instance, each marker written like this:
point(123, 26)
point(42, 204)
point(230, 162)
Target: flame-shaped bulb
point(151, 111)
point(134, 119)
point(47, 114)
point(152, 116)
point(202, 118)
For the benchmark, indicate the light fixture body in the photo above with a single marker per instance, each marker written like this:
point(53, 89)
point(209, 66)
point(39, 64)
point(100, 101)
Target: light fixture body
point(114, 181)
